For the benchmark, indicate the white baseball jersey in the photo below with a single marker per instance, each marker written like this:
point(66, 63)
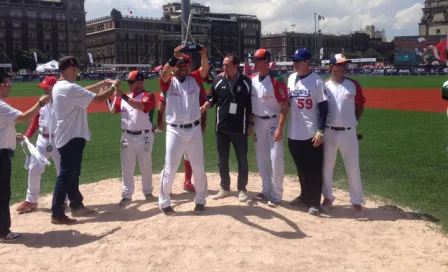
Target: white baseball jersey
point(183, 99)
point(341, 102)
point(70, 107)
point(133, 119)
point(267, 94)
point(304, 93)
point(8, 116)
point(44, 121)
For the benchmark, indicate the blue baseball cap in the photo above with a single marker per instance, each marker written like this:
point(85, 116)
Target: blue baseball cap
point(302, 54)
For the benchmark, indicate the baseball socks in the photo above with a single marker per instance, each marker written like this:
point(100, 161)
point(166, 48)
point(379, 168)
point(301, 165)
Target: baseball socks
point(188, 186)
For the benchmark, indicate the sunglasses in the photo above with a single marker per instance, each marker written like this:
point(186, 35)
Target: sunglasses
point(6, 84)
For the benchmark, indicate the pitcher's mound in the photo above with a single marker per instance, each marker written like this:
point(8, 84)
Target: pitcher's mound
point(229, 236)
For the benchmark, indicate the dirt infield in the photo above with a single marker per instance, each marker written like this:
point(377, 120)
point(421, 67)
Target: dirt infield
point(229, 236)
point(428, 100)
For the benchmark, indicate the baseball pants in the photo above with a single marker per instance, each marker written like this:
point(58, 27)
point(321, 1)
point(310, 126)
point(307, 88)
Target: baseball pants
point(269, 155)
point(36, 168)
point(308, 160)
point(347, 143)
point(136, 148)
point(178, 142)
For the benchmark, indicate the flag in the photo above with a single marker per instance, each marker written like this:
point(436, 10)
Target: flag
point(322, 53)
point(90, 57)
point(129, 11)
point(35, 56)
point(343, 50)
point(320, 17)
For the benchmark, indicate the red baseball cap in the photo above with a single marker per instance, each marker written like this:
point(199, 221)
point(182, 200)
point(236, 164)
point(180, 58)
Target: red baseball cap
point(48, 82)
point(136, 76)
point(184, 59)
point(261, 54)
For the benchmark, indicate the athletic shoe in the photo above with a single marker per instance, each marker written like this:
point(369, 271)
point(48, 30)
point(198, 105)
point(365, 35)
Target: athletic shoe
point(199, 209)
point(168, 211)
point(242, 196)
point(314, 211)
point(358, 212)
point(221, 194)
point(83, 211)
point(10, 237)
point(296, 202)
point(326, 205)
point(26, 206)
point(273, 204)
point(260, 197)
point(189, 187)
point(125, 202)
point(63, 220)
point(149, 198)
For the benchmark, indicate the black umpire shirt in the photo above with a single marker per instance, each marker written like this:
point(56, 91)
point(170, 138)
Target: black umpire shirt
point(233, 103)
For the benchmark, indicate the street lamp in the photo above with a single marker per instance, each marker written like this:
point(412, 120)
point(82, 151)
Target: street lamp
point(293, 25)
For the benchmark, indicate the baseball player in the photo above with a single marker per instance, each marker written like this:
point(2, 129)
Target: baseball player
point(137, 138)
point(45, 122)
point(188, 185)
point(183, 134)
point(270, 107)
point(345, 107)
point(306, 124)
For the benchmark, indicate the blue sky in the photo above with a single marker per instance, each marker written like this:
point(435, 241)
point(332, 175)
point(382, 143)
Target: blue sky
point(397, 17)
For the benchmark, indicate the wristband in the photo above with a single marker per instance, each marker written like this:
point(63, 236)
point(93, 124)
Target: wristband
point(320, 133)
point(41, 104)
point(125, 97)
point(172, 62)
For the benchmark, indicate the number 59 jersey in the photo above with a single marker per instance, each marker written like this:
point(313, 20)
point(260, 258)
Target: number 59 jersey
point(304, 95)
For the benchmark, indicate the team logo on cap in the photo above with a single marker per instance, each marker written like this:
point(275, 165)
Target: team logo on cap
point(297, 51)
point(258, 52)
point(145, 99)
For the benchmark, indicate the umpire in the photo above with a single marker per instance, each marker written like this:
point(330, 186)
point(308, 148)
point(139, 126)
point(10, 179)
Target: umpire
point(234, 122)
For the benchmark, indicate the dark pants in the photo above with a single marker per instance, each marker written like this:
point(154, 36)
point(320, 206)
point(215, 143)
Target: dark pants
point(239, 142)
point(309, 163)
point(67, 182)
point(5, 190)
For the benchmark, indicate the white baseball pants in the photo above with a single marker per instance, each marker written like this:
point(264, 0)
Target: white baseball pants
point(136, 148)
point(270, 158)
point(347, 143)
point(178, 142)
point(37, 168)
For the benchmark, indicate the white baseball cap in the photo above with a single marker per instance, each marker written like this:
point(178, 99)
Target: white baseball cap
point(421, 39)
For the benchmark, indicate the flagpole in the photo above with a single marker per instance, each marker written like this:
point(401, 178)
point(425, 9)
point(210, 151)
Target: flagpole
point(315, 36)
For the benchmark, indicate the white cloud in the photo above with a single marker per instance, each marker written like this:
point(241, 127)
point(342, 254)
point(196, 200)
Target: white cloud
point(408, 16)
point(340, 15)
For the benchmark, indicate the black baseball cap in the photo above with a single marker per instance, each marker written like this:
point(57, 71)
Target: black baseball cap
point(67, 61)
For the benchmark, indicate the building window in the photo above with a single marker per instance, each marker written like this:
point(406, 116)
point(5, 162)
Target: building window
point(47, 26)
point(47, 36)
point(32, 25)
point(16, 24)
point(45, 15)
point(31, 14)
point(61, 36)
point(15, 13)
point(438, 31)
point(2, 34)
point(47, 46)
point(32, 35)
point(2, 46)
point(16, 34)
point(62, 47)
point(17, 46)
point(61, 27)
point(268, 42)
point(32, 45)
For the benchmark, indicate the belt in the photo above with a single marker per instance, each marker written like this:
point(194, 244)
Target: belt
point(46, 136)
point(267, 117)
point(140, 132)
point(186, 125)
point(339, 128)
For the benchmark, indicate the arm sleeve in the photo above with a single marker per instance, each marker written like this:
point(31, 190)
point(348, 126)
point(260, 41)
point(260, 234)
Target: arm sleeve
point(80, 96)
point(280, 90)
point(165, 86)
point(117, 105)
point(323, 113)
point(8, 113)
point(149, 102)
point(197, 76)
point(34, 126)
point(359, 97)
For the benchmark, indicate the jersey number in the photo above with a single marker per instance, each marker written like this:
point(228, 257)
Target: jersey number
point(305, 103)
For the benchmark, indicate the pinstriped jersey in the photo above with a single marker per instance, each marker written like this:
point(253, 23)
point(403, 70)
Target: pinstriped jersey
point(267, 94)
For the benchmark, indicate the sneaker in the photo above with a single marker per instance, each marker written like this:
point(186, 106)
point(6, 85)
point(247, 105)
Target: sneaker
point(148, 198)
point(242, 196)
point(221, 194)
point(296, 202)
point(326, 205)
point(189, 187)
point(26, 206)
point(11, 236)
point(63, 220)
point(168, 211)
point(358, 212)
point(273, 204)
point(83, 211)
point(314, 211)
point(260, 197)
point(125, 202)
point(199, 209)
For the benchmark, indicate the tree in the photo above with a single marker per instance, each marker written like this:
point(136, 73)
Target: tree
point(371, 53)
point(27, 60)
point(389, 55)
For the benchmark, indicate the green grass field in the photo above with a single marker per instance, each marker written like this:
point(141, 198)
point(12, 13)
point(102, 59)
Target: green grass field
point(29, 89)
point(403, 155)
